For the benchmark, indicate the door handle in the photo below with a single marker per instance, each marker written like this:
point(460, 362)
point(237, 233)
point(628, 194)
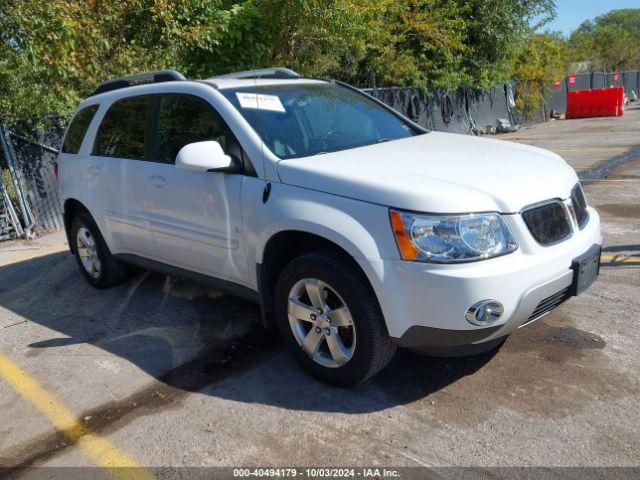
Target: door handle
point(157, 181)
point(94, 170)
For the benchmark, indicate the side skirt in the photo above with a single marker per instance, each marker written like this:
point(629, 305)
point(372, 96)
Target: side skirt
point(226, 286)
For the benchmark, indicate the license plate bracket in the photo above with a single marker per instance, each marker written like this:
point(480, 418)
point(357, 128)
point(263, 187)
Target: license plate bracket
point(585, 268)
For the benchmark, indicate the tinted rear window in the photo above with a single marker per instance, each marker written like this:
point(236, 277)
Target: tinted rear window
point(78, 129)
point(124, 131)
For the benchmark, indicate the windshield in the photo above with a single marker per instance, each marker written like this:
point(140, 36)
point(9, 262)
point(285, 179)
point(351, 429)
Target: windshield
point(299, 120)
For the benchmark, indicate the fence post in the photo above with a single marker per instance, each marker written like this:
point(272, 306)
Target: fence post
point(10, 157)
point(8, 207)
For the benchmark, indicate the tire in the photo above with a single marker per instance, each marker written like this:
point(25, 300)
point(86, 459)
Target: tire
point(109, 271)
point(364, 347)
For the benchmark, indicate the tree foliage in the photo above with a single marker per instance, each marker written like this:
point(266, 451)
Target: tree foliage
point(611, 41)
point(54, 52)
point(542, 59)
point(496, 31)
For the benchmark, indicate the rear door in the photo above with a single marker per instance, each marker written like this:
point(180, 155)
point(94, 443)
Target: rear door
point(123, 149)
point(76, 167)
point(195, 217)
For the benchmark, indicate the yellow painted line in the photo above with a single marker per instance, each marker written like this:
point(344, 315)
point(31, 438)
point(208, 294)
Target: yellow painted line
point(103, 453)
point(7, 257)
point(607, 257)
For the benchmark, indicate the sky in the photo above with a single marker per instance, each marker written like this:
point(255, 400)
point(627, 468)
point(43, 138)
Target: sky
point(571, 13)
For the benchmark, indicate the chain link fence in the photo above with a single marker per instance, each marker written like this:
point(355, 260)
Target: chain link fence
point(29, 200)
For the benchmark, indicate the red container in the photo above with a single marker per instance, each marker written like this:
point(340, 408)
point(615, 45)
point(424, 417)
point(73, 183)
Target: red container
point(599, 102)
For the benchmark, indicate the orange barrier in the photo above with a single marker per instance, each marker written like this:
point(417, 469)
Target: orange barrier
point(598, 102)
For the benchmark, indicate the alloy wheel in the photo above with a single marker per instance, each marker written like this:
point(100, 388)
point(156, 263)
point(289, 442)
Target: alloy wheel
point(321, 323)
point(88, 252)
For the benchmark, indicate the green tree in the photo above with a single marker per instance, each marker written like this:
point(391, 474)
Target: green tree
point(55, 52)
point(496, 32)
point(543, 59)
point(315, 37)
point(610, 41)
point(452, 43)
point(419, 43)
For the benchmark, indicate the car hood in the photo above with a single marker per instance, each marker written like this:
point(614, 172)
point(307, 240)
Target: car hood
point(437, 172)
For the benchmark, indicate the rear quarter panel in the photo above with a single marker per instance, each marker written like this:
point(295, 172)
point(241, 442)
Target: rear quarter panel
point(74, 179)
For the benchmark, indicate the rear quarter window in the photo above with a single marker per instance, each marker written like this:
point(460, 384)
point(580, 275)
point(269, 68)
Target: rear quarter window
point(78, 129)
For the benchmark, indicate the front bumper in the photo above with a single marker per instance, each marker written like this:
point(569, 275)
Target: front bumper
point(424, 304)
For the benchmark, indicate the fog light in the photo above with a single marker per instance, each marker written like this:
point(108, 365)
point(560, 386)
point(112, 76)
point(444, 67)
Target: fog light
point(485, 312)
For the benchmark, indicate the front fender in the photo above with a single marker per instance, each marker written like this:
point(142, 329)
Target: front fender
point(362, 229)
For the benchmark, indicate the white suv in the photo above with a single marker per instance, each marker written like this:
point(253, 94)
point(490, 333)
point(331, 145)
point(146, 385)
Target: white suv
point(354, 228)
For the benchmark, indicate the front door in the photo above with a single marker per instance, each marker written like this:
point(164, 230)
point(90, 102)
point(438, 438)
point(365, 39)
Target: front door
point(195, 218)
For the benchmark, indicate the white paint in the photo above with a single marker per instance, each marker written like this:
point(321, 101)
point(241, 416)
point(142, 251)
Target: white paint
point(203, 157)
point(439, 173)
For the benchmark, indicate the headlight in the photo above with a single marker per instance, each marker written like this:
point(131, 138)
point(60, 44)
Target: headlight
point(451, 238)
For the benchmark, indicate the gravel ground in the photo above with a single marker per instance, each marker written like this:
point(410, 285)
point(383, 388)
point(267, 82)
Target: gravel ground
point(172, 374)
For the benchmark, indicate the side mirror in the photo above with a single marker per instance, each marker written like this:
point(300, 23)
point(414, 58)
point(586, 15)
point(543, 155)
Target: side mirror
point(205, 157)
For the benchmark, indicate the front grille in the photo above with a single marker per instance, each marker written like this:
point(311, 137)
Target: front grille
point(548, 304)
point(579, 205)
point(548, 223)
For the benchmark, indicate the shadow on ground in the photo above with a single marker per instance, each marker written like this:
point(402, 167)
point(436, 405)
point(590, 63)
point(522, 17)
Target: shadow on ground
point(192, 340)
point(623, 248)
point(622, 256)
point(189, 339)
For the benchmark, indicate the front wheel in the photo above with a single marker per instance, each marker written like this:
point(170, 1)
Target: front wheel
point(330, 319)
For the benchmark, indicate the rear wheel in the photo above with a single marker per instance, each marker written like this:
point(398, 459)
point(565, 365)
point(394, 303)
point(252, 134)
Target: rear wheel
point(97, 264)
point(330, 319)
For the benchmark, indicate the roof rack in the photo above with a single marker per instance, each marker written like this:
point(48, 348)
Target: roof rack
point(275, 72)
point(139, 79)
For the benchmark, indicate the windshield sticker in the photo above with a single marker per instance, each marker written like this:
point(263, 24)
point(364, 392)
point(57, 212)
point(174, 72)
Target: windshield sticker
point(259, 101)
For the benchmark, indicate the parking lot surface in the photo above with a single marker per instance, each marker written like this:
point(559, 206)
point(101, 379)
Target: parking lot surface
point(160, 372)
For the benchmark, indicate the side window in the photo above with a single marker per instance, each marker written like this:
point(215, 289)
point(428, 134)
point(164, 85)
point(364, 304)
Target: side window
point(124, 131)
point(185, 119)
point(78, 129)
